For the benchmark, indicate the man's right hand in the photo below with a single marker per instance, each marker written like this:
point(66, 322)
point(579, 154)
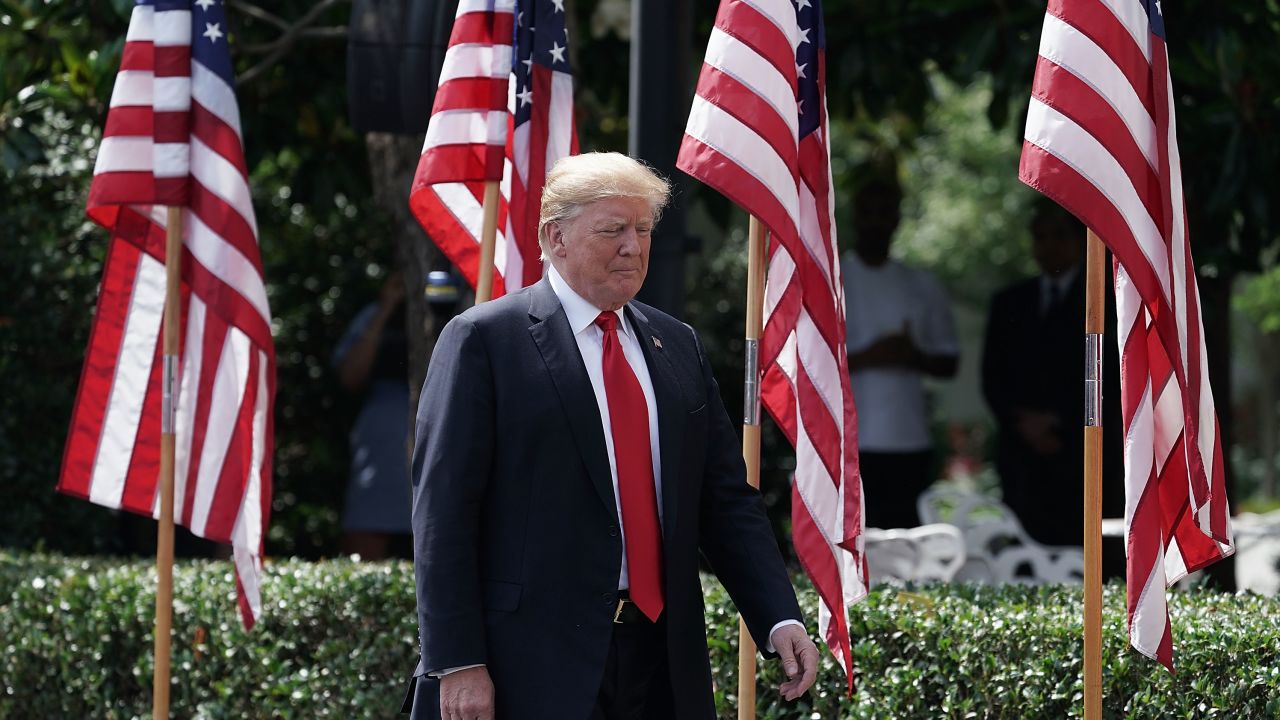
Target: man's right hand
point(466, 695)
point(895, 350)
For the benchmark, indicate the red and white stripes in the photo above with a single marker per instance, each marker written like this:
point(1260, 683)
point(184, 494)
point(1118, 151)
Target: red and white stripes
point(1101, 140)
point(468, 127)
point(173, 137)
point(757, 132)
point(501, 112)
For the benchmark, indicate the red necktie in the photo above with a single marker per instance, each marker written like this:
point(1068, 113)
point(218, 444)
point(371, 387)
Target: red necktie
point(629, 425)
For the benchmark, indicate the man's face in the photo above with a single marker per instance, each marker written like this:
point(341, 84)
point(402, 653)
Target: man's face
point(603, 253)
point(1055, 247)
point(876, 215)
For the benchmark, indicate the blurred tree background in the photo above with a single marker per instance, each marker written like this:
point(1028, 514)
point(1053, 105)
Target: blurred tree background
point(939, 86)
point(323, 243)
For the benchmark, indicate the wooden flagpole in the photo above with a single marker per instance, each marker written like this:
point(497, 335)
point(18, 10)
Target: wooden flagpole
point(488, 240)
point(751, 440)
point(168, 411)
point(1095, 305)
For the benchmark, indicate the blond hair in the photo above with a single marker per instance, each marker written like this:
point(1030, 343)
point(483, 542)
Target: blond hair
point(576, 181)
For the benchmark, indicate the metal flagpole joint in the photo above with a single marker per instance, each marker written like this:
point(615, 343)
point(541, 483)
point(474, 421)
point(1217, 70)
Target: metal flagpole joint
point(1093, 380)
point(169, 396)
point(751, 383)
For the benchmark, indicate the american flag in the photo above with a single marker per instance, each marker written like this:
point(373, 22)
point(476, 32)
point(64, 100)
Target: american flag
point(503, 111)
point(1101, 141)
point(757, 132)
point(173, 138)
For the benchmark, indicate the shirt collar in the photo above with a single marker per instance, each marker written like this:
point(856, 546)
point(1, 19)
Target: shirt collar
point(580, 312)
point(1063, 281)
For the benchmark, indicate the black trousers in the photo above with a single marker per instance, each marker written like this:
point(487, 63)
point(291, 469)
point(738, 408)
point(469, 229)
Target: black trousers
point(891, 482)
point(636, 683)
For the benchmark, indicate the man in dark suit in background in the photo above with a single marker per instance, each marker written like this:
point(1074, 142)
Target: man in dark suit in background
point(1033, 380)
point(572, 458)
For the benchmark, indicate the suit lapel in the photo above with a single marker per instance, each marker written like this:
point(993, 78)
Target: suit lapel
point(670, 412)
point(555, 341)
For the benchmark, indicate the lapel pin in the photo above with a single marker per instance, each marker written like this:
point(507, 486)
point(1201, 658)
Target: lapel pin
point(656, 342)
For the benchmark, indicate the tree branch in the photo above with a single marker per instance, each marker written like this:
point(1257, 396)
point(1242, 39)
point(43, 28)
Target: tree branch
point(321, 33)
point(254, 11)
point(291, 34)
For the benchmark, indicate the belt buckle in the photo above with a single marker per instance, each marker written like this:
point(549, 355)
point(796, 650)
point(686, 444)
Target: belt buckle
point(617, 612)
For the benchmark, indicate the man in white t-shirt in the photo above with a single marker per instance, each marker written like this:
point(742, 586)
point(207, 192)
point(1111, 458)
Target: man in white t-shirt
point(900, 329)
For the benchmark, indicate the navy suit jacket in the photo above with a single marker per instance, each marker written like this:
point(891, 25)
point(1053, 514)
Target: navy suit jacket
point(517, 548)
point(1033, 360)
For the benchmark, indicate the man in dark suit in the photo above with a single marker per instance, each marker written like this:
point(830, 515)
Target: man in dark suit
point(1033, 380)
point(572, 458)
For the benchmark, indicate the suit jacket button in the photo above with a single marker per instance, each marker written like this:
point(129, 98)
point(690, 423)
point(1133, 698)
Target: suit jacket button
point(613, 531)
point(608, 598)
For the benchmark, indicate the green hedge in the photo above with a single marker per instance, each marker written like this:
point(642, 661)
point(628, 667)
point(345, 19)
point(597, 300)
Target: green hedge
point(337, 641)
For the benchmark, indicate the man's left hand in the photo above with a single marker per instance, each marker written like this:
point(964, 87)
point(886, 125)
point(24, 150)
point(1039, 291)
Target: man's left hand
point(799, 659)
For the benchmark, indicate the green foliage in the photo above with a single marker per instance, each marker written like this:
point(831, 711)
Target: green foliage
point(1259, 299)
point(967, 651)
point(339, 639)
point(322, 237)
point(876, 52)
point(1227, 87)
point(939, 83)
point(54, 80)
point(325, 249)
point(966, 214)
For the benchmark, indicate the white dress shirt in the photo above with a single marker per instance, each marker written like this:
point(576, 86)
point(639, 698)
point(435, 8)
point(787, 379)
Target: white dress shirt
point(582, 321)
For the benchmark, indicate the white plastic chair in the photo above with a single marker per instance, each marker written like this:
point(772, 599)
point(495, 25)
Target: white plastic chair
point(927, 553)
point(997, 547)
point(1257, 551)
